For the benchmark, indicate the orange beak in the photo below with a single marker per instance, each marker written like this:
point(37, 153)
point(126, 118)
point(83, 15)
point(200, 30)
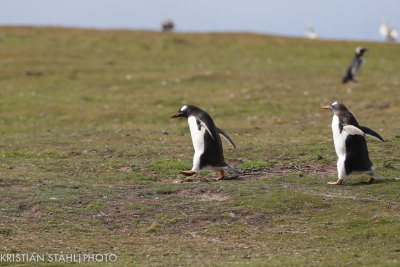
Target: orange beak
point(326, 107)
point(176, 115)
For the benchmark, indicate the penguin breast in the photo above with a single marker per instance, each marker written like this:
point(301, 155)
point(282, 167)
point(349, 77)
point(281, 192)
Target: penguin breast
point(197, 135)
point(339, 138)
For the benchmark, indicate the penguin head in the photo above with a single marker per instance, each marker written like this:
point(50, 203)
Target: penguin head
point(360, 50)
point(184, 111)
point(336, 107)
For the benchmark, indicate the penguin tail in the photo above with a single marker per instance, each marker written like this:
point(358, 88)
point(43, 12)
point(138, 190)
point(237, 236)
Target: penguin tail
point(374, 175)
point(231, 170)
point(347, 76)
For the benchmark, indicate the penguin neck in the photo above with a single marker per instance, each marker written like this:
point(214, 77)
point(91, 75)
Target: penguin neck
point(335, 120)
point(336, 125)
point(337, 135)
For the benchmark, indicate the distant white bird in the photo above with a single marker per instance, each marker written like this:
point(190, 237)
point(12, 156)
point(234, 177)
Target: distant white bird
point(311, 34)
point(167, 25)
point(390, 34)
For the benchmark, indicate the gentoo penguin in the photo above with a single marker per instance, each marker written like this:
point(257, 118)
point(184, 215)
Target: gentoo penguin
point(208, 153)
point(350, 143)
point(354, 68)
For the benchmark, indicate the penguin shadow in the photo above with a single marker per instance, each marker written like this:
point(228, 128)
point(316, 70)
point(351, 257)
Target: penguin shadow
point(208, 179)
point(376, 181)
point(232, 177)
point(251, 174)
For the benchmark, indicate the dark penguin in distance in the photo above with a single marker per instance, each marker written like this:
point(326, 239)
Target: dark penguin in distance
point(208, 152)
point(354, 68)
point(350, 143)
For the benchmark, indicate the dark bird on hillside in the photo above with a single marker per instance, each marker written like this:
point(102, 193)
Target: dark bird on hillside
point(167, 25)
point(350, 144)
point(208, 153)
point(354, 68)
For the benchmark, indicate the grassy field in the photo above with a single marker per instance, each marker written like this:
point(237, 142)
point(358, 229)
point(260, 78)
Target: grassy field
point(89, 157)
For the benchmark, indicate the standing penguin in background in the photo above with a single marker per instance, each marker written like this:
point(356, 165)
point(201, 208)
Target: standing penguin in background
point(354, 68)
point(208, 153)
point(350, 144)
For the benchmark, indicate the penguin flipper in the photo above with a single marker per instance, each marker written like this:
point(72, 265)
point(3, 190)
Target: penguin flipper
point(353, 130)
point(223, 134)
point(200, 124)
point(371, 133)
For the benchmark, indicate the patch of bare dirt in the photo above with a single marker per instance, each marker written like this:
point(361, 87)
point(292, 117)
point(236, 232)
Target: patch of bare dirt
point(252, 217)
point(146, 206)
point(35, 211)
point(204, 194)
point(17, 187)
point(125, 169)
point(327, 169)
point(119, 211)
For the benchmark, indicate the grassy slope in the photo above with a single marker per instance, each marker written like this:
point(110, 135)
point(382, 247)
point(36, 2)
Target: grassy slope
point(87, 164)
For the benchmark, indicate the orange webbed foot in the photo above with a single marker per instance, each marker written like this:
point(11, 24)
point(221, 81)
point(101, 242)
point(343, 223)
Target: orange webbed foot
point(338, 182)
point(221, 175)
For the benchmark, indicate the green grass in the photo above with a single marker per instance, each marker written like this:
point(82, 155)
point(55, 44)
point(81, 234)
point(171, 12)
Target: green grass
point(89, 156)
point(254, 164)
point(169, 166)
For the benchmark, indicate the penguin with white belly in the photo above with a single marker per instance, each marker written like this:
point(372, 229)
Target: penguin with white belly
point(355, 66)
point(350, 144)
point(208, 152)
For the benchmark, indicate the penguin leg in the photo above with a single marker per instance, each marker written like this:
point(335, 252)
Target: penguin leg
point(338, 182)
point(221, 175)
point(187, 173)
point(370, 180)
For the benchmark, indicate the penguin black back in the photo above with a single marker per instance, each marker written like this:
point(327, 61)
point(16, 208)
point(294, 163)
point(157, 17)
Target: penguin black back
point(350, 143)
point(190, 110)
point(357, 156)
point(354, 68)
point(344, 115)
point(213, 151)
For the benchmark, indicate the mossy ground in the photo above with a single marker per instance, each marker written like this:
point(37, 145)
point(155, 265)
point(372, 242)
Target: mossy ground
point(89, 158)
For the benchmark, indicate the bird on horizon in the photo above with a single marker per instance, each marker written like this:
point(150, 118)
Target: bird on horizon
point(390, 34)
point(355, 66)
point(311, 34)
point(350, 144)
point(167, 25)
point(208, 152)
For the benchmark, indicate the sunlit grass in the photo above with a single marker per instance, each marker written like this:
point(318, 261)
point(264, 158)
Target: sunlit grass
point(89, 156)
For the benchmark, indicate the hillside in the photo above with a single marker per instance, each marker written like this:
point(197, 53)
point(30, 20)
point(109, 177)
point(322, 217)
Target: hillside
point(89, 156)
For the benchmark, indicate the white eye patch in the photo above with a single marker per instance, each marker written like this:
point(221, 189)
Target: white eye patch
point(183, 108)
point(334, 103)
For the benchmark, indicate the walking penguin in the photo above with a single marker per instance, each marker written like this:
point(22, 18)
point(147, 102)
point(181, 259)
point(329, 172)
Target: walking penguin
point(208, 152)
point(354, 68)
point(350, 144)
